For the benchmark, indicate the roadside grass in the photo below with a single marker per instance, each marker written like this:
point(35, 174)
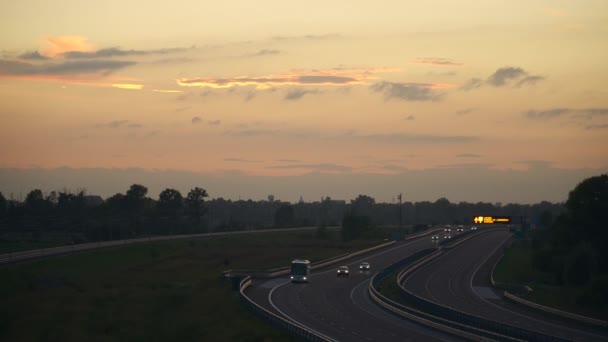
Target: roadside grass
point(156, 291)
point(516, 268)
point(389, 288)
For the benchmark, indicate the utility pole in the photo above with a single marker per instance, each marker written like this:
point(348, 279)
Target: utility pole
point(400, 197)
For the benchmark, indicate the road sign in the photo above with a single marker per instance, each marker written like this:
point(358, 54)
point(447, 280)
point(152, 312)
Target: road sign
point(491, 219)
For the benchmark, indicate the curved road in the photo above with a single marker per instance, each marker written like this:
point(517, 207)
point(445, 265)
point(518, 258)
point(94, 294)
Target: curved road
point(451, 280)
point(340, 307)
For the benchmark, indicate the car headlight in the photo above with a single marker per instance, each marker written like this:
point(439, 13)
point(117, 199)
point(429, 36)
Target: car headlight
point(304, 278)
point(346, 271)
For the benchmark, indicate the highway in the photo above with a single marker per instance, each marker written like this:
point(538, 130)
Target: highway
point(340, 308)
point(455, 280)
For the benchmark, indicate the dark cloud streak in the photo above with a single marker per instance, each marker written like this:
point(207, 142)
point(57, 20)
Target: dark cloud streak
point(407, 91)
point(106, 67)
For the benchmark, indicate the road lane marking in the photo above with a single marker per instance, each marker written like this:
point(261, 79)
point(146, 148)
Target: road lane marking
point(537, 328)
point(290, 318)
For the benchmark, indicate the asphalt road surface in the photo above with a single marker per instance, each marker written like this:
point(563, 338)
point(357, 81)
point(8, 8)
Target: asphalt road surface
point(451, 280)
point(340, 307)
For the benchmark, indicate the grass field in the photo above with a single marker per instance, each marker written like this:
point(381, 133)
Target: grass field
point(160, 291)
point(516, 268)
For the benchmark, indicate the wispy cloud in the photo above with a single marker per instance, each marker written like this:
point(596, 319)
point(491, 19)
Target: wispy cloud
point(296, 94)
point(195, 120)
point(240, 160)
point(252, 132)
point(56, 46)
point(442, 62)
point(394, 168)
point(466, 166)
point(536, 164)
point(288, 160)
point(529, 80)
point(468, 155)
point(594, 127)
point(410, 118)
point(33, 55)
point(120, 124)
point(547, 113)
point(118, 52)
point(214, 122)
point(309, 37)
point(103, 67)
point(410, 91)
point(167, 91)
point(552, 113)
point(116, 123)
point(503, 77)
point(324, 77)
point(129, 86)
point(266, 52)
point(404, 138)
point(315, 167)
point(471, 84)
point(465, 111)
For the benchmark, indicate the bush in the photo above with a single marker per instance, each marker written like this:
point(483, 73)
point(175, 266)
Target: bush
point(353, 226)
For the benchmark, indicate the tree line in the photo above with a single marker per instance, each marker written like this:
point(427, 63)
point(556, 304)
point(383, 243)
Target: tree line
point(84, 218)
point(573, 246)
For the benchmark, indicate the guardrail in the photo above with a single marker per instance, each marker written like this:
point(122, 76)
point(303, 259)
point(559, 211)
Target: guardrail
point(44, 252)
point(290, 326)
point(322, 263)
point(510, 291)
point(442, 317)
point(275, 272)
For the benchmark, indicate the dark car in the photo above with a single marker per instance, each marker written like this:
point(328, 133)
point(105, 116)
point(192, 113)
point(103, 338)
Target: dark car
point(364, 266)
point(342, 271)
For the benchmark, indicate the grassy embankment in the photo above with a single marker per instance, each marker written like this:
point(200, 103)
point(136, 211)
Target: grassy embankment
point(158, 291)
point(516, 267)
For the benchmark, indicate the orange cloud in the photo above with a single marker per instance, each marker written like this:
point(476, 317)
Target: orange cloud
point(441, 62)
point(167, 91)
point(128, 86)
point(56, 46)
point(323, 77)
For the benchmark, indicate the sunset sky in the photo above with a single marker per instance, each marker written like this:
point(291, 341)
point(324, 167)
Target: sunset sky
point(278, 97)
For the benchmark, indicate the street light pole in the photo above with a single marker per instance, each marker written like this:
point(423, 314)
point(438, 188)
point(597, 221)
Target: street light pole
point(399, 197)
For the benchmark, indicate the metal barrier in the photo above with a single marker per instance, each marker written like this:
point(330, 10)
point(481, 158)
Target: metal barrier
point(435, 314)
point(293, 328)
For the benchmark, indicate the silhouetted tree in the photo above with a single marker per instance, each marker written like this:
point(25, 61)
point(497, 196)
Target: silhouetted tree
point(284, 216)
point(587, 208)
point(136, 195)
point(52, 198)
point(3, 205)
point(546, 219)
point(354, 226)
point(170, 201)
point(195, 203)
point(135, 201)
point(362, 205)
point(35, 201)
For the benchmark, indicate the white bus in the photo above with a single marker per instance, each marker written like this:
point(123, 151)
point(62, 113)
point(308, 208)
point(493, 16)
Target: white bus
point(300, 270)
